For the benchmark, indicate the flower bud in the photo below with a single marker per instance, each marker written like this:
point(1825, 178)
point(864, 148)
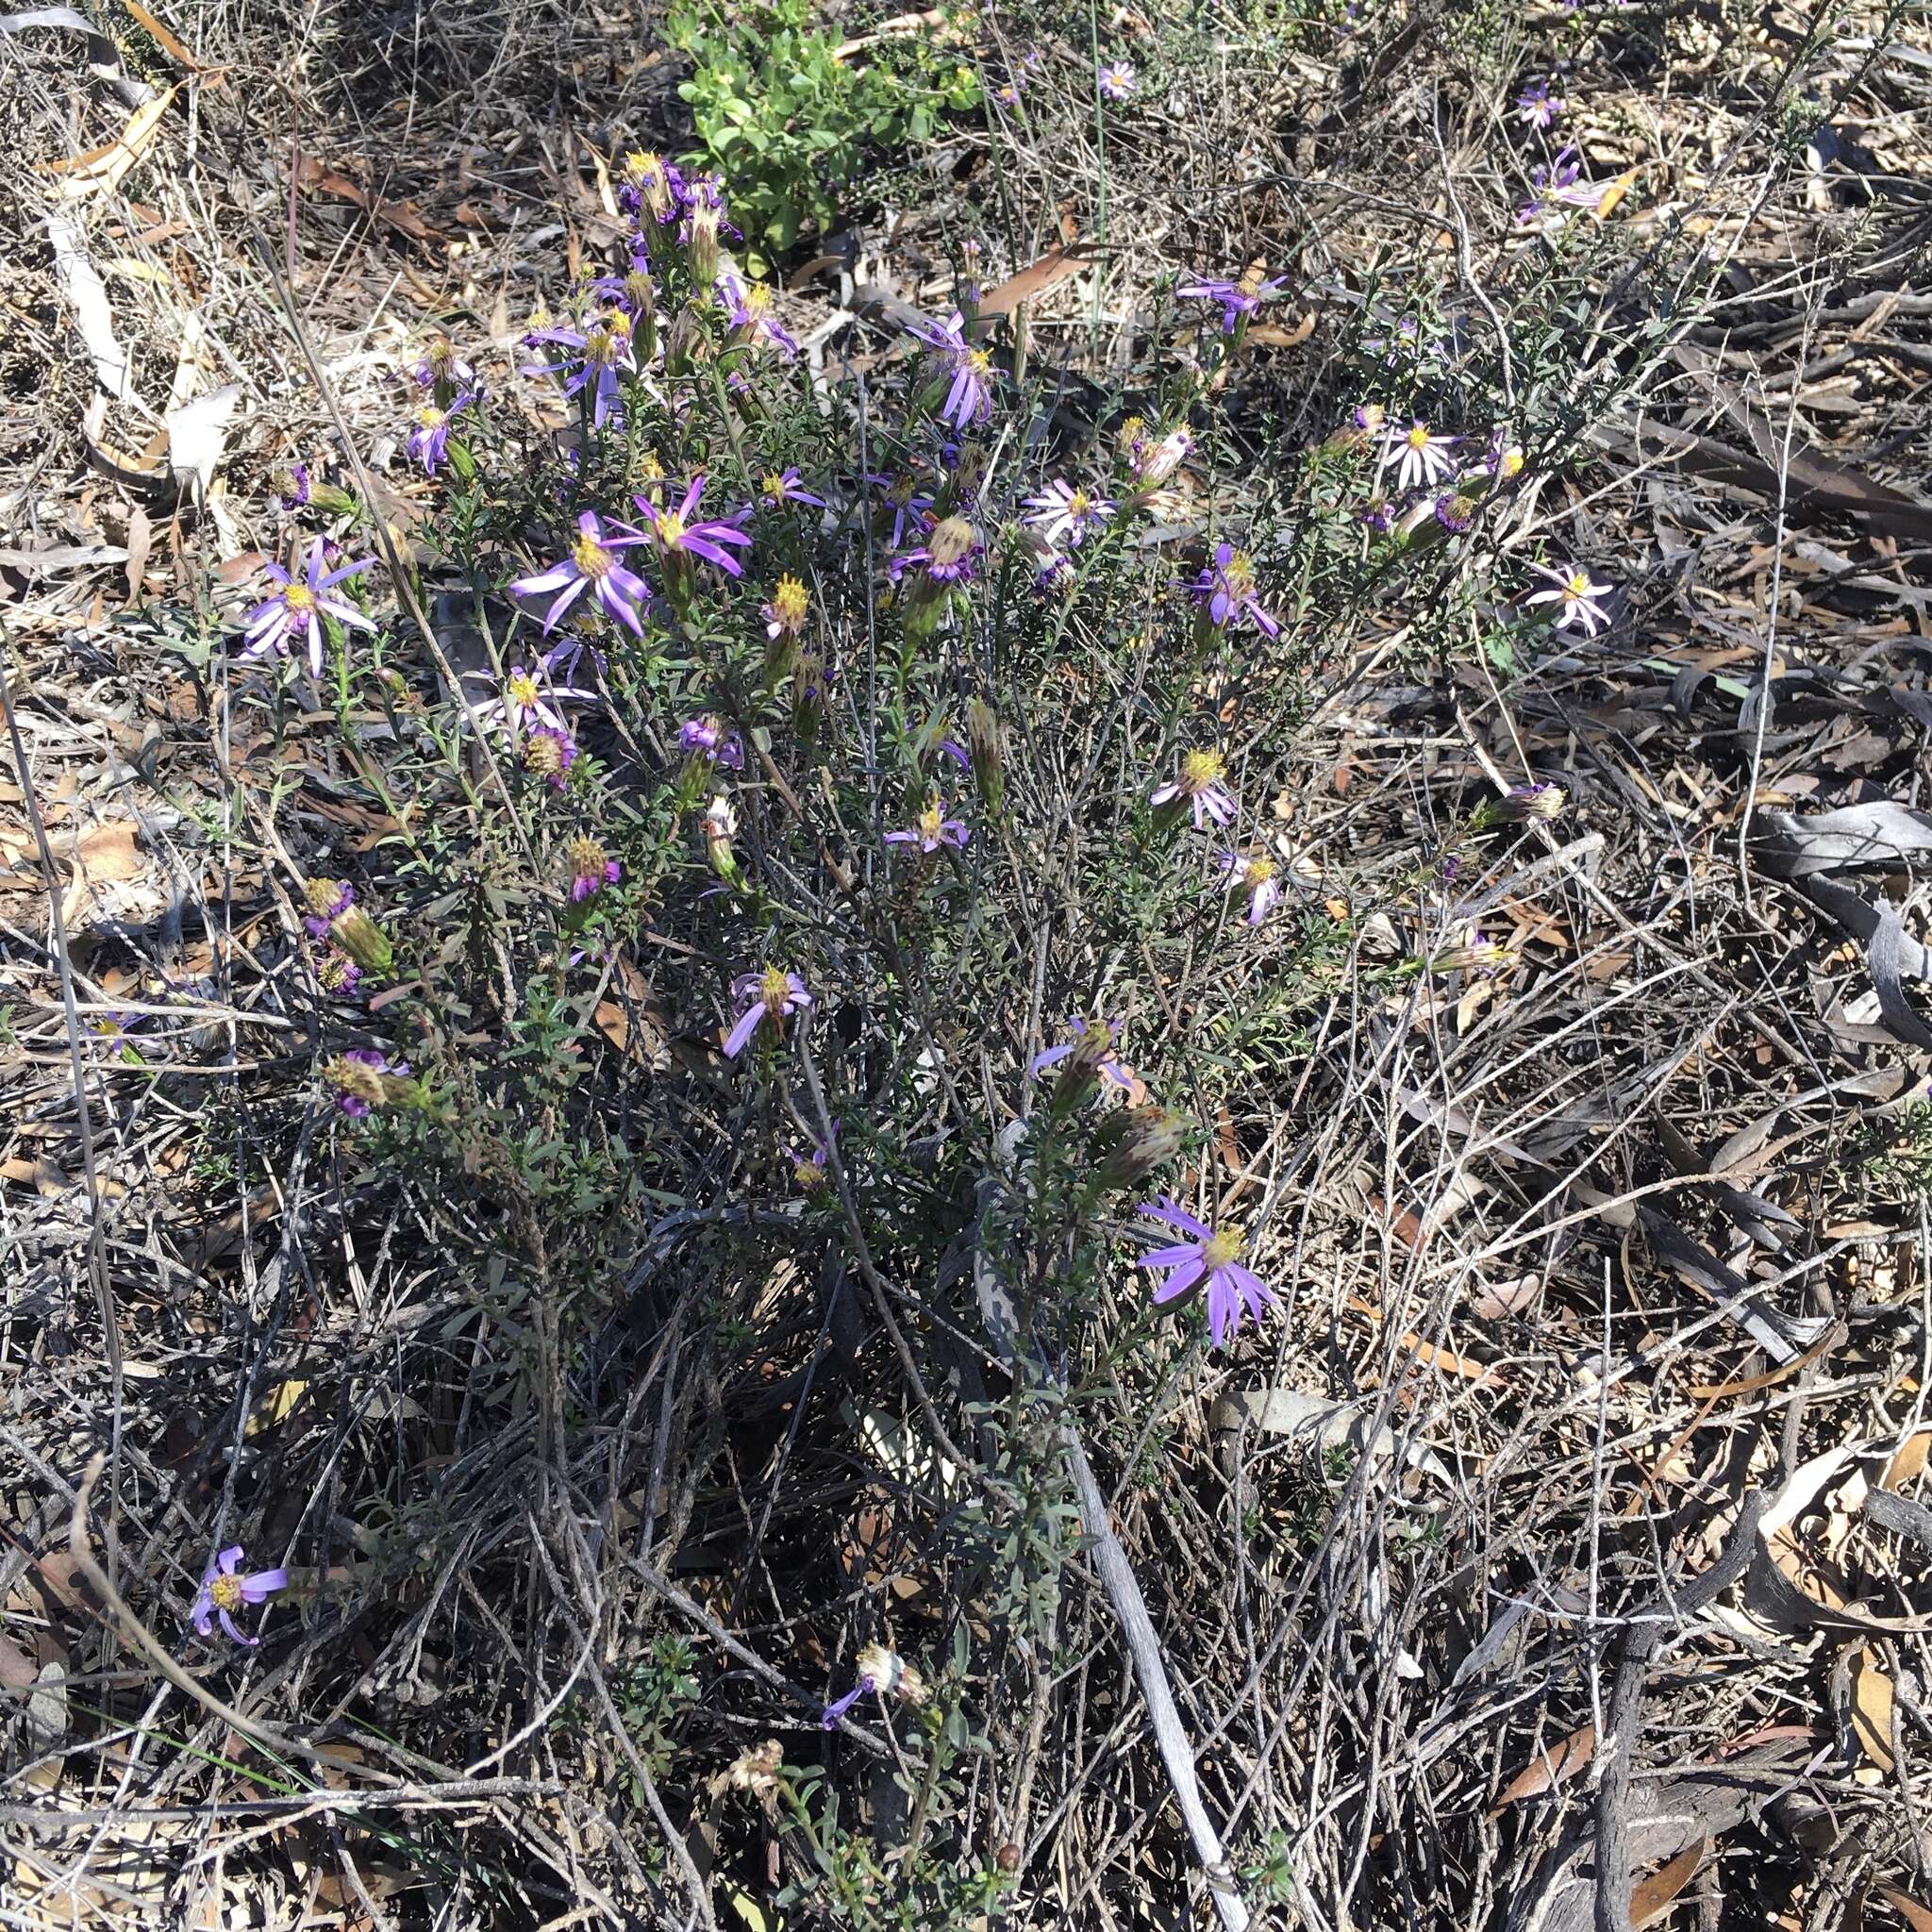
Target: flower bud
point(333, 912)
point(703, 246)
point(986, 743)
point(1136, 1141)
point(717, 823)
point(1522, 803)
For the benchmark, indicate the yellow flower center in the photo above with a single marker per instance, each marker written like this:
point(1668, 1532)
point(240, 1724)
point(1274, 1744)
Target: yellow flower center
point(1226, 1246)
point(639, 166)
point(930, 821)
point(1238, 572)
point(1250, 283)
point(979, 362)
point(225, 1592)
point(1201, 769)
point(1079, 503)
point(1418, 436)
point(808, 1175)
point(543, 755)
point(758, 300)
point(521, 689)
point(670, 529)
point(1511, 464)
point(788, 603)
point(357, 1078)
point(431, 417)
point(775, 485)
point(1577, 584)
point(587, 858)
point(592, 558)
point(299, 597)
point(649, 469)
point(1258, 872)
point(774, 988)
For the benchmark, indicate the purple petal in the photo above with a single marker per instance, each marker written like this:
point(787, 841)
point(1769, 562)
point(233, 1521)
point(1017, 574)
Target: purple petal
point(736, 1039)
point(1181, 1280)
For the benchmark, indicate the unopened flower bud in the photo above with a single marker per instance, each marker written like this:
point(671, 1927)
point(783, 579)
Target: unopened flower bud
point(986, 743)
point(333, 911)
point(703, 244)
point(717, 823)
point(1138, 1140)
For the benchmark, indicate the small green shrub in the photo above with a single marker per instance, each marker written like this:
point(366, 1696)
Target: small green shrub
point(777, 109)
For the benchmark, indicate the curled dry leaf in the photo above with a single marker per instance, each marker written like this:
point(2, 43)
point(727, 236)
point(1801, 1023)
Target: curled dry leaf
point(1548, 1768)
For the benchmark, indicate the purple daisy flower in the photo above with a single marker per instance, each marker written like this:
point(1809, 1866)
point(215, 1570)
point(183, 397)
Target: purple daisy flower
point(650, 184)
point(809, 1172)
point(1117, 79)
point(592, 562)
point(781, 487)
point(1255, 876)
point(526, 699)
point(298, 606)
point(707, 738)
point(748, 311)
point(1095, 1045)
point(1206, 1260)
point(1537, 106)
point(949, 556)
point(549, 752)
point(1237, 299)
point(601, 349)
point(1063, 513)
point(1226, 588)
point(676, 534)
point(327, 908)
point(970, 396)
point(769, 996)
point(223, 1590)
point(933, 828)
point(908, 505)
point(1199, 786)
point(429, 437)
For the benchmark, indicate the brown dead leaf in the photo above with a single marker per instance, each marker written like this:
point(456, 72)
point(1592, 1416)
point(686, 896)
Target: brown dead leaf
point(1654, 1894)
point(401, 215)
point(1871, 1709)
point(1909, 1909)
point(1548, 1768)
point(165, 39)
point(1271, 335)
point(1909, 1462)
point(1053, 267)
point(108, 851)
point(104, 167)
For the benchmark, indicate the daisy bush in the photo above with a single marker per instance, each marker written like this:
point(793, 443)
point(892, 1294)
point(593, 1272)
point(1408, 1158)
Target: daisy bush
point(831, 912)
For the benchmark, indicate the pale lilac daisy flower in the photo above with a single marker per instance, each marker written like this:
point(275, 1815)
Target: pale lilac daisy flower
point(1226, 588)
point(594, 562)
point(526, 699)
point(781, 487)
point(677, 533)
point(591, 867)
point(1117, 79)
point(1237, 299)
point(1537, 106)
point(1579, 597)
point(769, 996)
point(1066, 515)
point(1206, 1261)
point(296, 608)
point(1200, 788)
point(1256, 875)
point(603, 349)
point(970, 394)
point(932, 829)
point(225, 1589)
point(1420, 454)
point(1093, 1046)
point(428, 441)
point(749, 313)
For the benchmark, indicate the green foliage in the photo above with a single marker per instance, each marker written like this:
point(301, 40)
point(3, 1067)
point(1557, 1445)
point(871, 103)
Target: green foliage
point(777, 108)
